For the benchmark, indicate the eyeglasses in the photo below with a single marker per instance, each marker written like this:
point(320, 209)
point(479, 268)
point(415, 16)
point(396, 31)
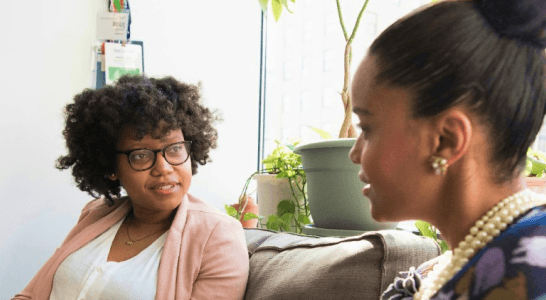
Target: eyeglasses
point(144, 159)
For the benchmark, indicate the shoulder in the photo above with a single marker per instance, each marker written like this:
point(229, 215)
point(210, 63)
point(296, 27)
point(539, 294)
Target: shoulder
point(511, 263)
point(204, 211)
point(207, 225)
point(100, 206)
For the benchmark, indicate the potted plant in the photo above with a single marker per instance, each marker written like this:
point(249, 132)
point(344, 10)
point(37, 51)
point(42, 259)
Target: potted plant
point(334, 187)
point(281, 187)
point(239, 211)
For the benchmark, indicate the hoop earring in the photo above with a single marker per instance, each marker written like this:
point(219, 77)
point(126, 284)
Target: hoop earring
point(439, 164)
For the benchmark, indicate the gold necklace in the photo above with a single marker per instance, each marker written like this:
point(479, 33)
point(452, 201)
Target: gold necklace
point(483, 232)
point(131, 241)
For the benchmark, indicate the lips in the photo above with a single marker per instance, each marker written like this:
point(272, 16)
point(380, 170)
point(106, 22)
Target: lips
point(362, 177)
point(164, 185)
point(366, 190)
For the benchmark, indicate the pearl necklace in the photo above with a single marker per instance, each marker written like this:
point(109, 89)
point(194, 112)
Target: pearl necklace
point(483, 232)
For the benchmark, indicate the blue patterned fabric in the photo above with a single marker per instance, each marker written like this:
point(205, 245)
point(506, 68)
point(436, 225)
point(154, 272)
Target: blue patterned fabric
point(512, 266)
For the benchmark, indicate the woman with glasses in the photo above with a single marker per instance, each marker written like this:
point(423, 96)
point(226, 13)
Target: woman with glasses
point(449, 99)
point(147, 137)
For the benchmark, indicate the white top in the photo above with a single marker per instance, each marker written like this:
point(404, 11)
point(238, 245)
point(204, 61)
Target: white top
point(85, 274)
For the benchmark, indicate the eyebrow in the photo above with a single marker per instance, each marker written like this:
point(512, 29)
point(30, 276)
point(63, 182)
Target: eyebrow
point(362, 111)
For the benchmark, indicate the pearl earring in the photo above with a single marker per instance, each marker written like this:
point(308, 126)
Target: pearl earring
point(439, 164)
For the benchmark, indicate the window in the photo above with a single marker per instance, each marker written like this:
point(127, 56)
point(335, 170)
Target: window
point(307, 31)
point(305, 64)
point(307, 102)
point(331, 24)
point(287, 105)
point(328, 95)
point(328, 63)
point(369, 26)
point(289, 37)
point(288, 70)
point(396, 2)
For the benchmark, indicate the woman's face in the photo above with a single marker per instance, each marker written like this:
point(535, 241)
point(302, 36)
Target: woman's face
point(391, 149)
point(161, 187)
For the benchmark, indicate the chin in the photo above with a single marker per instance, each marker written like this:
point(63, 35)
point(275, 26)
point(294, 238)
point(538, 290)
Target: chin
point(387, 215)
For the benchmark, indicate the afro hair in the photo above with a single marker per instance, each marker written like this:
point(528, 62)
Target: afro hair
point(96, 119)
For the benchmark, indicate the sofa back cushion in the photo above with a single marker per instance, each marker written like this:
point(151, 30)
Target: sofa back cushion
point(291, 266)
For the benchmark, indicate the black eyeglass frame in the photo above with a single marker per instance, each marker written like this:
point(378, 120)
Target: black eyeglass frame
point(187, 145)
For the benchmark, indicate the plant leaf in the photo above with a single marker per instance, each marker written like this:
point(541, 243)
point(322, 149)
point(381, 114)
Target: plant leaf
point(263, 4)
point(250, 216)
point(325, 135)
point(285, 206)
point(443, 245)
point(276, 6)
point(425, 229)
point(287, 218)
point(272, 222)
point(302, 218)
point(231, 211)
point(285, 3)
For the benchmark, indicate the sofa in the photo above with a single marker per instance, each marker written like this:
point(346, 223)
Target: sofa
point(291, 266)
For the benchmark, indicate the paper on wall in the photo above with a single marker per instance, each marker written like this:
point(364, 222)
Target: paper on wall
point(122, 60)
point(112, 26)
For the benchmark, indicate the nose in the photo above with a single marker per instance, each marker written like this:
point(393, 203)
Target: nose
point(355, 152)
point(161, 166)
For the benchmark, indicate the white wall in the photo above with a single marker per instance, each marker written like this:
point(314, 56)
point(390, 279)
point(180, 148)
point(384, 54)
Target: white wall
point(45, 56)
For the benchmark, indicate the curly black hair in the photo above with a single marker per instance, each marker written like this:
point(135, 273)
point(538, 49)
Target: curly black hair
point(96, 119)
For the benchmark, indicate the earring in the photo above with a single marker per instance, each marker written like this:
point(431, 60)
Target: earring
point(439, 164)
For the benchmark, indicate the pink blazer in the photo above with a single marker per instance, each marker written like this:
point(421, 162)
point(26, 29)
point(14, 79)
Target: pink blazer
point(204, 257)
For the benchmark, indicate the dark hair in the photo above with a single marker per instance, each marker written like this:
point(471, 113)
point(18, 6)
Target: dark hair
point(96, 119)
point(448, 54)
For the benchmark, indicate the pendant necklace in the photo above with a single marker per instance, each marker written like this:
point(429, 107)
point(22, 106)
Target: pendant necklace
point(131, 241)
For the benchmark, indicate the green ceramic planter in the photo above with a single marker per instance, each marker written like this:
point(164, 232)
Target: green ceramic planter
point(333, 187)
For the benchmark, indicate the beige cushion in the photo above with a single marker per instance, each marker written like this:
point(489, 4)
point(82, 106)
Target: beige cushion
point(290, 266)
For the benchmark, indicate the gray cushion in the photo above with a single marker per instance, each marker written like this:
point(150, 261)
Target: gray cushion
point(290, 266)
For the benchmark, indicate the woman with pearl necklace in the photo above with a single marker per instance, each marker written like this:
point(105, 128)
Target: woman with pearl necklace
point(449, 98)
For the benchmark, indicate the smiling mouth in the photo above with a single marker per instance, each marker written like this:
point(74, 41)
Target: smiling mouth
point(166, 187)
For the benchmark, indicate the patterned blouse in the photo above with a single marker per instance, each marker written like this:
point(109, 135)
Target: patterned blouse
point(512, 266)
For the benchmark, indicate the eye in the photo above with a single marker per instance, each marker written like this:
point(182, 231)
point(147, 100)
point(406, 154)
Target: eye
point(140, 156)
point(365, 130)
point(175, 149)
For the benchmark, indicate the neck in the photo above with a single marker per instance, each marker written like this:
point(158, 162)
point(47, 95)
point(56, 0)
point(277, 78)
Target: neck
point(147, 217)
point(461, 210)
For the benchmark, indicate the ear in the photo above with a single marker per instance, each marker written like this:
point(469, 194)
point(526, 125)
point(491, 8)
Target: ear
point(454, 128)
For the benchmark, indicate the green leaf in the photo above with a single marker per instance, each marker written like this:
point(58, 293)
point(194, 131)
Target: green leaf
point(285, 3)
point(285, 206)
point(303, 219)
point(425, 229)
point(263, 4)
point(273, 222)
point(287, 218)
point(230, 210)
point(276, 6)
point(325, 135)
point(443, 245)
point(536, 162)
point(250, 216)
